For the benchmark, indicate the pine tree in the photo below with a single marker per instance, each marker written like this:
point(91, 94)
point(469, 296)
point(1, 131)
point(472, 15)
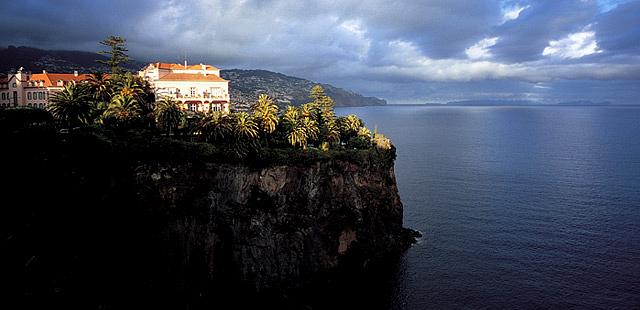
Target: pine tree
point(117, 53)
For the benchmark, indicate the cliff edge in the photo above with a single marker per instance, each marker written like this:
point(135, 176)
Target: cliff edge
point(92, 220)
point(274, 226)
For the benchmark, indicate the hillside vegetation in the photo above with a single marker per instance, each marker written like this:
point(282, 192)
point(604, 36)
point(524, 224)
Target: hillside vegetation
point(247, 85)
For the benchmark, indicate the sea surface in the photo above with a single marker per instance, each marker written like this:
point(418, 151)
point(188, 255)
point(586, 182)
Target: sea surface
point(520, 207)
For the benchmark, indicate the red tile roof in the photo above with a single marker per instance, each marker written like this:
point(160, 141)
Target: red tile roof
point(168, 66)
point(51, 79)
point(192, 77)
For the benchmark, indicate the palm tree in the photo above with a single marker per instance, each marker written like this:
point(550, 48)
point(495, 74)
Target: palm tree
point(72, 105)
point(215, 126)
point(352, 124)
point(311, 127)
point(244, 126)
point(300, 127)
point(290, 115)
point(364, 133)
point(297, 133)
point(266, 114)
point(123, 110)
point(168, 114)
point(331, 131)
point(191, 123)
point(244, 133)
point(134, 86)
point(100, 86)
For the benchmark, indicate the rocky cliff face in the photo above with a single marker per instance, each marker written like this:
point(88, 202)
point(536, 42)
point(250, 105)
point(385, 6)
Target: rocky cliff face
point(273, 227)
point(89, 221)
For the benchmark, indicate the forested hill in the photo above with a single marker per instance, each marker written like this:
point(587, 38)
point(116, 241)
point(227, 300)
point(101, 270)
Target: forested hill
point(246, 85)
point(36, 60)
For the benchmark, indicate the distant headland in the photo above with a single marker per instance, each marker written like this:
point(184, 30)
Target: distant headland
point(518, 103)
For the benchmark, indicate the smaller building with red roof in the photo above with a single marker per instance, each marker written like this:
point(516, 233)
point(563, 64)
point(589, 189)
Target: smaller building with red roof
point(24, 89)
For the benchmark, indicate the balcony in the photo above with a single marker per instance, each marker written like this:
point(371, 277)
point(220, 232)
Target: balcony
point(197, 97)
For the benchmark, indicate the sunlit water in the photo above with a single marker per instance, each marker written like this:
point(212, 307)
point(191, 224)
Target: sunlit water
point(520, 207)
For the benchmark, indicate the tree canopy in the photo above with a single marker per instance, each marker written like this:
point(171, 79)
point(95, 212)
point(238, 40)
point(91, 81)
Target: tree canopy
point(123, 101)
point(117, 53)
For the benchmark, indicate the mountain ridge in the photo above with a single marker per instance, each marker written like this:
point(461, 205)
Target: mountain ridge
point(247, 85)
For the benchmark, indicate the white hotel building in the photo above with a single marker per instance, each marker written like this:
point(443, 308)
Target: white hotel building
point(196, 87)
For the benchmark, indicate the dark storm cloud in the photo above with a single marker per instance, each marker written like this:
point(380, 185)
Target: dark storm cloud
point(525, 38)
point(67, 24)
point(389, 44)
point(618, 31)
point(441, 29)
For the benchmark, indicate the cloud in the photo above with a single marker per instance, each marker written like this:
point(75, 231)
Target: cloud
point(575, 45)
point(525, 38)
point(371, 46)
point(618, 30)
point(512, 13)
point(481, 49)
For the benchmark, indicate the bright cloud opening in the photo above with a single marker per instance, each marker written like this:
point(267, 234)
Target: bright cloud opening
point(480, 50)
point(575, 45)
point(513, 13)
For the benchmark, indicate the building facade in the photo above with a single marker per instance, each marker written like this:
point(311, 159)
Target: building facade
point(24, 89)
point(196, 87)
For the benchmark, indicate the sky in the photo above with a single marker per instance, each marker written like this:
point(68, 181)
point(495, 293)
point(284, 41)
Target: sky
point(403, 51)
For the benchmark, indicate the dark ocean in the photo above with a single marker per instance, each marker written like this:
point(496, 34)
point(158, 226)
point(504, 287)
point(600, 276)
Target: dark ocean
point(520, 207)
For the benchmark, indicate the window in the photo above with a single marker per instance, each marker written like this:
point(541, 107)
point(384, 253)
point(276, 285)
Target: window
point(40, 95)
point(216, 92)
point(192, 106)
point(29, 97)
point(14, 85)
point(3, 98)
point(193, 91)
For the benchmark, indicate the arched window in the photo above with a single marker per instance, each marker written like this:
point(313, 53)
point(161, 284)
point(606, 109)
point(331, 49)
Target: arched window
point(29, 96)
point(40, 95)
point(29, 104)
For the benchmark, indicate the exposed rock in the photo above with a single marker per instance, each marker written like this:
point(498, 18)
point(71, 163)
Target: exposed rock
point(90, 222)
point(273, 227)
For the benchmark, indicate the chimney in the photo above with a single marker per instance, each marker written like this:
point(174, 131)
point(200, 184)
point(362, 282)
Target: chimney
point(185, 64)
point(44, 71)
point(75, 73)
